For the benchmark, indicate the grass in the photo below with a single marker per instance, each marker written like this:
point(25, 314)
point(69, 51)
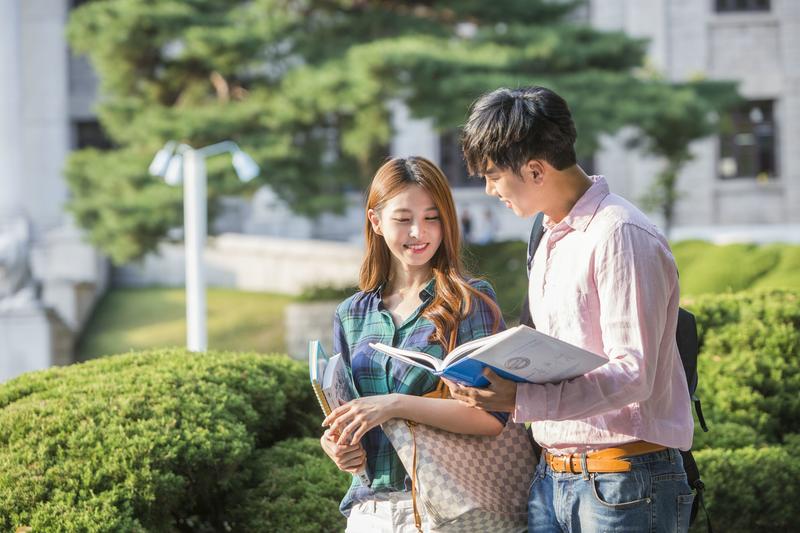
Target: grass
point(136, 319)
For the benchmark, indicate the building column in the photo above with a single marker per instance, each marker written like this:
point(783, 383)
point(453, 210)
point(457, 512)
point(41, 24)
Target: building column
point(10, 109)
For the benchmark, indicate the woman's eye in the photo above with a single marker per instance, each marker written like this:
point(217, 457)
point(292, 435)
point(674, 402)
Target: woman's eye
point(401, 219)
point(431, 218)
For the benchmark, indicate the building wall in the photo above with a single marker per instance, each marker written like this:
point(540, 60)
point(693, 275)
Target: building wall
point(760, 50)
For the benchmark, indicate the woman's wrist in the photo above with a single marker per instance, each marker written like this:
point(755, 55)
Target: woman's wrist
point(398, 404)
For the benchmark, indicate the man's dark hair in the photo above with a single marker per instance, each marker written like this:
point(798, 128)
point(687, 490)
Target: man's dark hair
point(512, 126)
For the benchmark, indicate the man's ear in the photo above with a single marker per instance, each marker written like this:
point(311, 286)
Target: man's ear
point(534, 170)
point(375, 220)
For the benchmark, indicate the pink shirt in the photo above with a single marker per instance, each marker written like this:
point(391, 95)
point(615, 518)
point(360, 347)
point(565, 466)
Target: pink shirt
point(604, 279)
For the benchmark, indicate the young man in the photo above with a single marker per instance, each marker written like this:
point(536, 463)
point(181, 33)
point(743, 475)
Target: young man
point(603, 278)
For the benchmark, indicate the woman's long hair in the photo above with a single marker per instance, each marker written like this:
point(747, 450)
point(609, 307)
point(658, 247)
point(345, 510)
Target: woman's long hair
point(454, 296)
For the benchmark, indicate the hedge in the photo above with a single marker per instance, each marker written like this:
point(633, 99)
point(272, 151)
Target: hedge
point(749, 369)
point(156, 441)
point(749, 364)
point(751, 490)
point(301, 493)
point(170, 441)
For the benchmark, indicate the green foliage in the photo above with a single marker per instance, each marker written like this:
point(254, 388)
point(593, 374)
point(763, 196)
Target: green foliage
point(749, 365)
point(298, 490)
point(162, 440)
point(304, 86)
point(750, 490)
point(503, 265)
point(685, 113)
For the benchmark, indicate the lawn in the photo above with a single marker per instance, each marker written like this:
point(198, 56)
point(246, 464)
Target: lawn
point(136, 319)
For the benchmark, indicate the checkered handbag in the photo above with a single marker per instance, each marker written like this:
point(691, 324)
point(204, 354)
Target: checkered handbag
point(467, 483)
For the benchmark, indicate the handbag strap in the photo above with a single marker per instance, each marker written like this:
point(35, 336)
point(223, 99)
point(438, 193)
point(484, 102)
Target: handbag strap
point(417, 517)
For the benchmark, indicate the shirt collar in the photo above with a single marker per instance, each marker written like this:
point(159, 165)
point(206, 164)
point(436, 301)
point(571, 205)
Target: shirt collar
point(585, 208)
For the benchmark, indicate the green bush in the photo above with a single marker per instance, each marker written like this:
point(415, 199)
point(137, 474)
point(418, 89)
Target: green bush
point(750, 490)
point(749, 369)
point(749, 365)
point(300, 494)
point(160, 441)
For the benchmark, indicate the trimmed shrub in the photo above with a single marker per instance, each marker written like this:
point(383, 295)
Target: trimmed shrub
point(750, 490)
point(298, 489)
point(749, 365)
point(163, 440)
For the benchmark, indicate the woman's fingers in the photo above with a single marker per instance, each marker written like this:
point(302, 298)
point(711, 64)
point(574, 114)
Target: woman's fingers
point(346, 436)
point(336, 413)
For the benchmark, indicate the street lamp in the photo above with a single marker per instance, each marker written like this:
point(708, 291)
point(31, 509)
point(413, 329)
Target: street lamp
point(180, 163)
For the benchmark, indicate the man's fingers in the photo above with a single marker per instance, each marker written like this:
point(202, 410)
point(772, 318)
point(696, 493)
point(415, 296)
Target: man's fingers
point(490, 374)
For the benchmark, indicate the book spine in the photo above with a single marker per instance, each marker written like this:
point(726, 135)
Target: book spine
point(323, 402)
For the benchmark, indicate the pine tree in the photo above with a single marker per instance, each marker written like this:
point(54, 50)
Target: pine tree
point(303, 86)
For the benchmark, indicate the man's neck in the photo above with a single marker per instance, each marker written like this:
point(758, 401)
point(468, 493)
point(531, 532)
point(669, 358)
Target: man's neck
point(572, 184)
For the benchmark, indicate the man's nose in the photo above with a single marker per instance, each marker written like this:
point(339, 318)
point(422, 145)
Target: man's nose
point(489, 188)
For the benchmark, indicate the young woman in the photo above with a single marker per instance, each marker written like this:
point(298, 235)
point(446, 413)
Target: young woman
point(414, 294)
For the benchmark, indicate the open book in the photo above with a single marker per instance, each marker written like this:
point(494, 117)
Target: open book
point(332, 383)
point(520, 354)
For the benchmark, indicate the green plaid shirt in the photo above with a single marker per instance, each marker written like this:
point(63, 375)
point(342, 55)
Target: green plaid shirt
point(362, 319)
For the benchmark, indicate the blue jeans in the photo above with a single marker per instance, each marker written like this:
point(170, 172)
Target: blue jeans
point(652, 497)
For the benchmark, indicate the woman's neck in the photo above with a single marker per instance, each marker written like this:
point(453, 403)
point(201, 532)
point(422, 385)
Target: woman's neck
point(403, 280)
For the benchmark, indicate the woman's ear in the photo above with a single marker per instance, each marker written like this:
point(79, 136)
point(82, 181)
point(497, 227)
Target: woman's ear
point(375, 220)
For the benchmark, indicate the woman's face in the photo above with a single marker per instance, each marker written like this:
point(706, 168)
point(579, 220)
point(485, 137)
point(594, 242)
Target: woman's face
point(410, 225)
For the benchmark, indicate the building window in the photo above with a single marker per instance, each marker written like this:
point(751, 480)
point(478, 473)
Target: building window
point(90, 134)
point(728, 6)
point(747, 142)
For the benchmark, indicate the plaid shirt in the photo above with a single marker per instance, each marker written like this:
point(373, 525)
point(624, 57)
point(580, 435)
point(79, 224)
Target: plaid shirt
point(362, 319)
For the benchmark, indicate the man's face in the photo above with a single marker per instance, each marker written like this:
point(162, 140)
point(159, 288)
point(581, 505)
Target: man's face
point(516, 192)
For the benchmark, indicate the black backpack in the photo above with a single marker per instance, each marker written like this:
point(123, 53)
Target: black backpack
point(688, 347)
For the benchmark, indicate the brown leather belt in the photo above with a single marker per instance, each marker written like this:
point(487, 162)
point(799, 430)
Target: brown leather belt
point(607, 460)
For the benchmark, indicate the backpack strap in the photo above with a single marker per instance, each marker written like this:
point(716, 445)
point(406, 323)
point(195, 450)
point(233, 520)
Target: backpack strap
point(536, 235)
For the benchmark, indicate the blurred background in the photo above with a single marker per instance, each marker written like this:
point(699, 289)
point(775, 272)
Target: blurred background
point(688, 107)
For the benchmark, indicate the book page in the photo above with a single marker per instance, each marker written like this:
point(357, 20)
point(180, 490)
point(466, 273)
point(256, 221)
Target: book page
point(467, 348)
point(419, 359)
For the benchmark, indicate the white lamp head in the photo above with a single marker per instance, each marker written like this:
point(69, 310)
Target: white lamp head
point(174, 172)
point(245, 167)
point(161, 160)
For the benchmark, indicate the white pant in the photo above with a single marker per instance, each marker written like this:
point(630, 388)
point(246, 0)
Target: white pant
point(393, 513)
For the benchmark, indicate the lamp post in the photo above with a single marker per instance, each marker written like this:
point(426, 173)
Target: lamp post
point(178, 163)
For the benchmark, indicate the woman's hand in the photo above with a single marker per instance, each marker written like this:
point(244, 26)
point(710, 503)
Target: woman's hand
point(349, 459)
point(351, 421)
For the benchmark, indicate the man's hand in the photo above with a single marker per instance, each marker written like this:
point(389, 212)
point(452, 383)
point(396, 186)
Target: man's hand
point(350, 459)
point(499, 396)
